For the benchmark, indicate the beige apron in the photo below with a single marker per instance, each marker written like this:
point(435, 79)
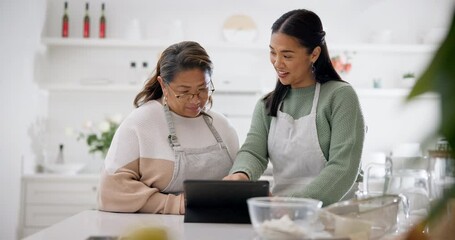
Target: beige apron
point(212, 162)
point(294, 150)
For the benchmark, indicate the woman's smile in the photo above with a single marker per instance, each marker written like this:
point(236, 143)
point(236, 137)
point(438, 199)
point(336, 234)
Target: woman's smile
point(282, 74)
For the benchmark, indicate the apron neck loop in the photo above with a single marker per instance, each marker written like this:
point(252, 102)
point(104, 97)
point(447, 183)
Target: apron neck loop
point(172, 138)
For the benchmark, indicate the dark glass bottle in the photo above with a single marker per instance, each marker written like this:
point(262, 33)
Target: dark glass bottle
point(86, 22)
point(65, 22)
point(102, 23)
point(60, 159)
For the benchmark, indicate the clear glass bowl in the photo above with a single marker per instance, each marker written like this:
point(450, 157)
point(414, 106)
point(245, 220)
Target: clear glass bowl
point(370, 217)
point(283, 217)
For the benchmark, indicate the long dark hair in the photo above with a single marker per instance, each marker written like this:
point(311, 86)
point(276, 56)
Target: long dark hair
point(306, 27)
point(176, 58)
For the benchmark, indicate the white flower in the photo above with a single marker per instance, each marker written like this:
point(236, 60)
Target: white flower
point(88, 124)
point(99, 137)
point(104, 126)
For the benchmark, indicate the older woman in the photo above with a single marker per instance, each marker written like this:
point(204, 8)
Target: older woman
point(171, 136)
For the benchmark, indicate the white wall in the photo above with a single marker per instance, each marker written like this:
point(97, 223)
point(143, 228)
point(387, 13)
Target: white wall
point(21, 100)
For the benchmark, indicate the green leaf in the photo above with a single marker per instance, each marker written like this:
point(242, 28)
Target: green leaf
point(440, 77)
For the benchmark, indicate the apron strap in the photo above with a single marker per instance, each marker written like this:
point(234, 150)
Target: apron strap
point(316, 97)
point(212, 129)
point(172, 138)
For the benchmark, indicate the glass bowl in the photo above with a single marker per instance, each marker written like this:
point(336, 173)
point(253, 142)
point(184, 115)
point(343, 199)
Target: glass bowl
point(283, 217)
point(369, 218)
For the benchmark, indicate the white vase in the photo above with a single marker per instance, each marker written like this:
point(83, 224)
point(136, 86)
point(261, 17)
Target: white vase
point(408, 82)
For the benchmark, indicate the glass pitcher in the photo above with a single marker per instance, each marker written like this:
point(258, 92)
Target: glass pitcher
point(408, 180)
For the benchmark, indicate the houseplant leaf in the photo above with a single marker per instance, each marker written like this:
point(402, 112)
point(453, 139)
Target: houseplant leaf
point(439, 77)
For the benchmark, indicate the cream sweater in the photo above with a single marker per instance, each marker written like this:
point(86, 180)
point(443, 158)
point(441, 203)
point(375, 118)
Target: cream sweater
point(140, 162)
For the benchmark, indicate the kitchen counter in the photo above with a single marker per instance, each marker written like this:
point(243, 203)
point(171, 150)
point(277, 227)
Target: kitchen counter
point(97, 223)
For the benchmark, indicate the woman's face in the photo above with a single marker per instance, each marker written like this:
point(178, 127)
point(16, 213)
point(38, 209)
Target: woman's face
point(291, 61)
point(188, 92)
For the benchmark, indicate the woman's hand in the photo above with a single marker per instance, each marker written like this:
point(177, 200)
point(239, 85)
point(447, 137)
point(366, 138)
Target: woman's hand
point(238, 176)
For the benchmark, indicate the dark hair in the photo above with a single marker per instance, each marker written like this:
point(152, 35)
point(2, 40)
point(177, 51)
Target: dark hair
point(186, 55)
point(306, 27)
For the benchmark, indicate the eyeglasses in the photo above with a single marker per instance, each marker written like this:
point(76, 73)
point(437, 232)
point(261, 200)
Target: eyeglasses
point(204, 92)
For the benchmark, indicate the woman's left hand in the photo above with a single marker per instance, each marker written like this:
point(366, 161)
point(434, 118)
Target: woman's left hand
point(239, 176)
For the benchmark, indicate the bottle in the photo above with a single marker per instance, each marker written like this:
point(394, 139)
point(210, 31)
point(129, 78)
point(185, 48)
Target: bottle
point(133, 78)
point(144, 72)
point(60, 159)
point(65, 22)
point(102, 33)
point(86, 22)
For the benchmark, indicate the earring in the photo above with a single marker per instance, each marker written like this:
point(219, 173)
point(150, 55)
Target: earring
point(164, 100)
point(313, 68)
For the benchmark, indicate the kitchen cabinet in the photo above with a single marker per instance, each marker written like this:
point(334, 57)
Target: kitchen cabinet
point(49, 198)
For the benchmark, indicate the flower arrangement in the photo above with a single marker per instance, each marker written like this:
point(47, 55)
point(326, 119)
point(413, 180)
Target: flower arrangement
point(342, 63)
point(99, 138)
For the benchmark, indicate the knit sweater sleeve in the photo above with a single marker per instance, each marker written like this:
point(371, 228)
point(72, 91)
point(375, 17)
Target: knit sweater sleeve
point(252, 157)
point(346, 143)
point(122, 185)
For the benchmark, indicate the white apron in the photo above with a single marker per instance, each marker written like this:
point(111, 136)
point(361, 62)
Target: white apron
point(294, 150)
point(212, 162)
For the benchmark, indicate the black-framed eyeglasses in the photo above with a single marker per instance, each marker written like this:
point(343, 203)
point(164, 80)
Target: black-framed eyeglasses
point(204, 92)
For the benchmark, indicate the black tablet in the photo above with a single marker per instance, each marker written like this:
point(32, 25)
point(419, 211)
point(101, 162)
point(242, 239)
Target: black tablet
point(217, 201)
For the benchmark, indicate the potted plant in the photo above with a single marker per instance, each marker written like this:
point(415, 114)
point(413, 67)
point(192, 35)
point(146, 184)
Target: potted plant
point(440, 77)
point(408, 80)
point(99, 138)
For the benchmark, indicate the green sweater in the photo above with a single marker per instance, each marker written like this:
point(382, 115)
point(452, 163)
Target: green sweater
point(341, 132)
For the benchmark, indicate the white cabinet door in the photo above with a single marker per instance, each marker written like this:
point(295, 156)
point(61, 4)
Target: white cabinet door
point(49, 198)
point(63, 191)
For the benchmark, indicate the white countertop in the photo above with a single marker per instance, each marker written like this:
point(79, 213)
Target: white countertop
point(97, 223)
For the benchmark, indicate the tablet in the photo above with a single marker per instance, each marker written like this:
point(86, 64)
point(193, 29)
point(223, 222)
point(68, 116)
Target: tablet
point(218, 201)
